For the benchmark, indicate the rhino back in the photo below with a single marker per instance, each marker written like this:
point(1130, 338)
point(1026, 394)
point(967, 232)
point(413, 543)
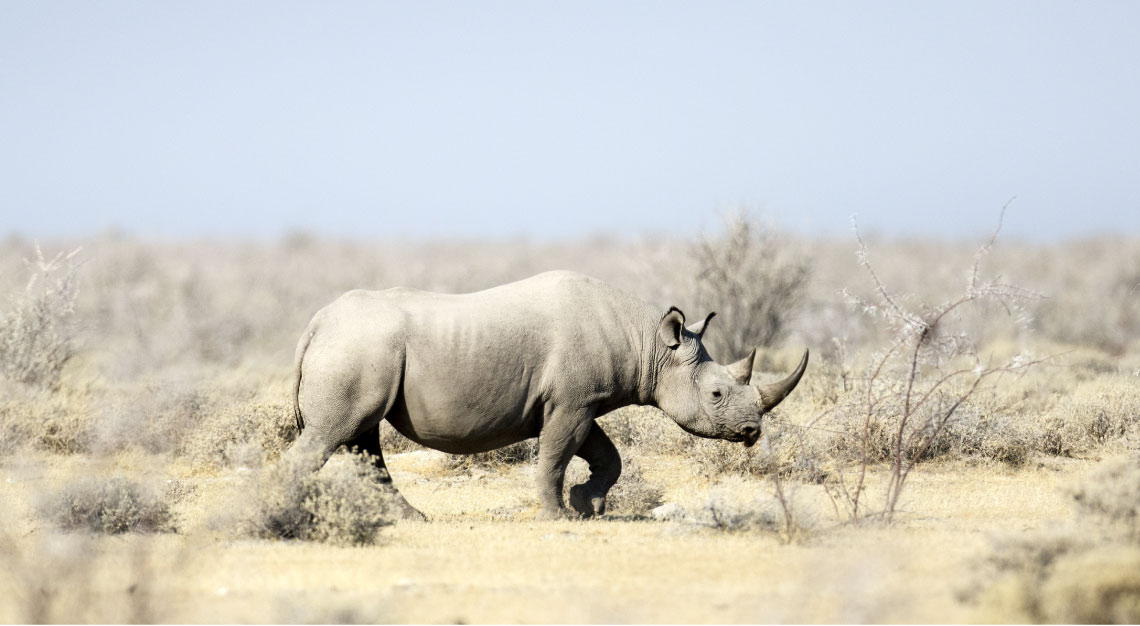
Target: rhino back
point(482, 368)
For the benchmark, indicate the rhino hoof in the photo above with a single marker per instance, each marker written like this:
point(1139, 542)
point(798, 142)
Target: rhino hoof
point(584, 504)
point(411, 514)
point(406, 512)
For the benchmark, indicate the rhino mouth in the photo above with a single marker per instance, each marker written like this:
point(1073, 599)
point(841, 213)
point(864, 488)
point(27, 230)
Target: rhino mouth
point(749, 435)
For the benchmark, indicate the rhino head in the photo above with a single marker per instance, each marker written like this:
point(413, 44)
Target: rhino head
point(704, 397)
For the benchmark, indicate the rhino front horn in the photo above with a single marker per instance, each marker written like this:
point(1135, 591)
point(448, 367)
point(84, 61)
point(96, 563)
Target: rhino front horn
point(773, 394)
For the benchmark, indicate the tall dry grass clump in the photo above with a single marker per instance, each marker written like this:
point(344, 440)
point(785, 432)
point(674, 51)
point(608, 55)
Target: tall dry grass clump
point(37, 338)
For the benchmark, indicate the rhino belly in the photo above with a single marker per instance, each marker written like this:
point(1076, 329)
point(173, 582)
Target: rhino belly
point(465, 422)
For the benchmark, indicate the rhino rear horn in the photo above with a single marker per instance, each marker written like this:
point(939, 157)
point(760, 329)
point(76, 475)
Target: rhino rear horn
point(773, 394)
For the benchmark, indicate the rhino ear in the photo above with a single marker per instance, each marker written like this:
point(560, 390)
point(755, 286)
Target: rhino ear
point(669, 329)
point(700, 327)
point(741, 371)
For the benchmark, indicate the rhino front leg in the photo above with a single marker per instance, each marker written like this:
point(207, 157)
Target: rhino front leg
point(589, 498)
point(561, 437)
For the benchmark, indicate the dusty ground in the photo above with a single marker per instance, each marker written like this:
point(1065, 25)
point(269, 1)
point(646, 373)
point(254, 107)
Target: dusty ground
point(483, 559)
point(168, 363)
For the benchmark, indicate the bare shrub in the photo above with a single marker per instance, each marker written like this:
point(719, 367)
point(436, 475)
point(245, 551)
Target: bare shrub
point(993, 436)
point(1105, 272)
point(1064, 576)
point(915, 388)
point(774, 513)
point(349, 504)
point(109, 506)
point(41, 573)
point(762, 514)
point(645, 429)
point(514, 454)
point(37, 338)
point(753, 279)
point(54, 421)
point(155, 417)
point(344, 504)
point(1112, 493)
point(777, 453)
point(1026, 563)
point(717, 458)
point(242, 434)
point(1092, 415)
point(1097, 587)
point(973, 433)
point(1036, 553)
point(1087, 571)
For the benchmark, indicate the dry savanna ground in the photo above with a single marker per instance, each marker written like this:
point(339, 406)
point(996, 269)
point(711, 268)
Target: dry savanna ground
point(964, 447)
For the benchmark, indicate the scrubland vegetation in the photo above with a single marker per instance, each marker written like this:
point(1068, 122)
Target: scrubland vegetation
point(964, 447)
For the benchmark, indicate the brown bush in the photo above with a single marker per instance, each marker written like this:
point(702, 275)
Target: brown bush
point(241, 434)
point(110, 506)
point(1094, 414)
point(343, 504)
point(1112, 493)
point(753, 279)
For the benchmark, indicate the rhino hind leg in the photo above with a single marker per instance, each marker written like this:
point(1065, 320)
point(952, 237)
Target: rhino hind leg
point(369, 442)
point(589, 498)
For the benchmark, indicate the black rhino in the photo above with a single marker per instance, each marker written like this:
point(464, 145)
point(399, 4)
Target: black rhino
point(544, 357)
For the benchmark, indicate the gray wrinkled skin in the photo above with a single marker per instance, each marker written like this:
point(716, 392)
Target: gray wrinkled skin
point(542, 357)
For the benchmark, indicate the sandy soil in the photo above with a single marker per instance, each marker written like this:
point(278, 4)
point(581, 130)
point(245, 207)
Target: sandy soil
point(482, 558)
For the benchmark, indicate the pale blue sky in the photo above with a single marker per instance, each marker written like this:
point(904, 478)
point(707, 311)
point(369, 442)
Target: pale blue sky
point(475, 119)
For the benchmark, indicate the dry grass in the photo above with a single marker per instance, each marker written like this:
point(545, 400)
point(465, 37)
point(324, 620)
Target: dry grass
point(1083, 571)
point(179, 354)
point(1112, 493)
point(470, 564)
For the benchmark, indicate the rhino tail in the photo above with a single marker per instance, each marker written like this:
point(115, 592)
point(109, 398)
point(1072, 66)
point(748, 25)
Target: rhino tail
point(302, 346)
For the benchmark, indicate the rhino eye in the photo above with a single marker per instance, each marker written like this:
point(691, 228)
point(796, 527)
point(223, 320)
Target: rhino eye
point(716, 395)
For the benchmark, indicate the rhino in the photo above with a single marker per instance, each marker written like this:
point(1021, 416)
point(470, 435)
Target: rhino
point(542, 357)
